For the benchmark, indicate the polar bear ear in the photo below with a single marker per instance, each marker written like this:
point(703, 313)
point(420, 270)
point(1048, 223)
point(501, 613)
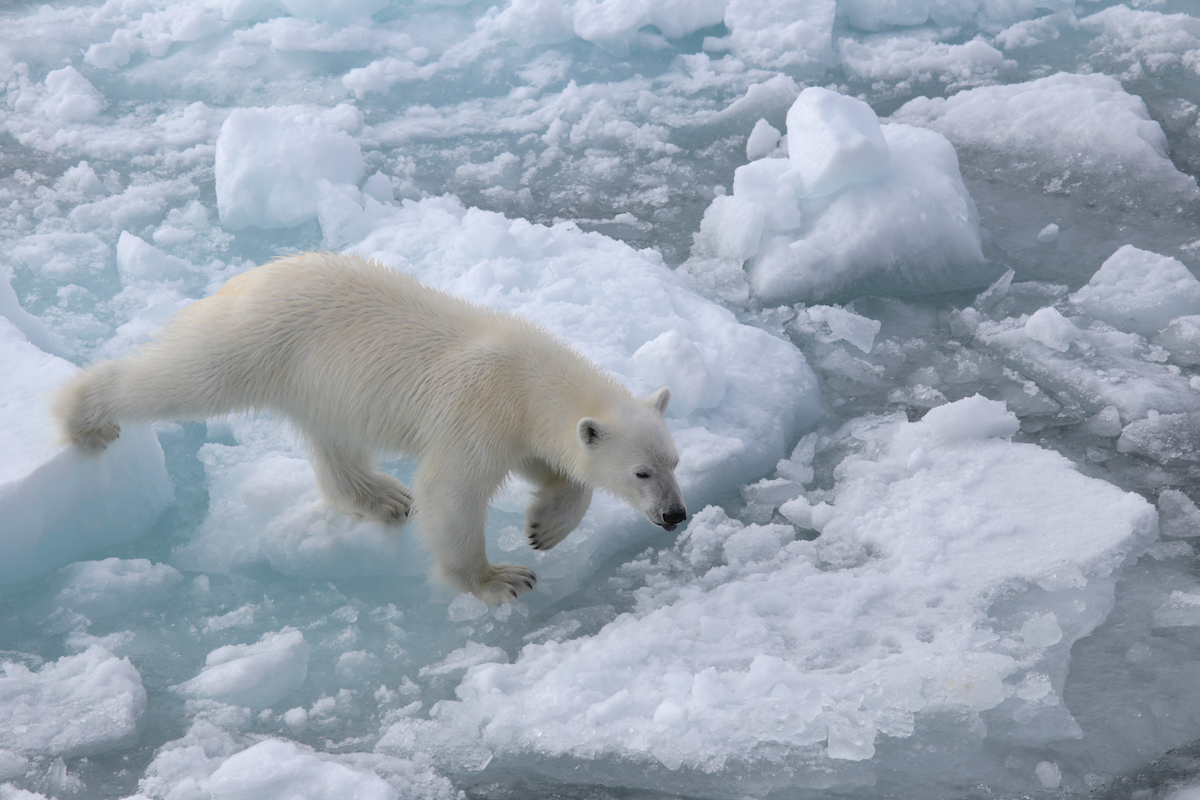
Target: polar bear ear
point(590, 431)
point(660, 399)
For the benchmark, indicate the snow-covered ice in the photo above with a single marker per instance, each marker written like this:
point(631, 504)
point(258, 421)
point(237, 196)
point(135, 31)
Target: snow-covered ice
point(921, 279)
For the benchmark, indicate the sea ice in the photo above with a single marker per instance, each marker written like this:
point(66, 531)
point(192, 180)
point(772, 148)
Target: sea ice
point(1089, 368)
point(98, 589)
point(923, 599)
point(834, 141)
point(29, 326)
point(138, 260)
point(277, 768)
point(1075, 129)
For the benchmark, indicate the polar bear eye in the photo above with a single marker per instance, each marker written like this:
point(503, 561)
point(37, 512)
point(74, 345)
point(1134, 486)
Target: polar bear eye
point(643, 474)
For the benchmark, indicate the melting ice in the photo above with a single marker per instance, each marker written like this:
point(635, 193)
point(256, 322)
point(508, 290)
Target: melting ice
point(920, 277)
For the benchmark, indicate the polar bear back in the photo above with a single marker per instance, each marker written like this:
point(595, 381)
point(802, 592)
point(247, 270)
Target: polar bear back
point(376, 358)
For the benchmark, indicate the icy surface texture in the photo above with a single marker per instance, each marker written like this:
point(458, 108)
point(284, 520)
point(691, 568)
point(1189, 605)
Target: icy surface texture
point(944, 582)
point(853, 203)
point(933, 362)
point(1077, 138)
point(253, 676)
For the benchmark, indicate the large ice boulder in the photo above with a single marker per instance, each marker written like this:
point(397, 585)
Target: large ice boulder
point(1139, 291)
point(273, 164)
point(856, 207)
point(834, 141)
point(58, 503)
point(945, 589)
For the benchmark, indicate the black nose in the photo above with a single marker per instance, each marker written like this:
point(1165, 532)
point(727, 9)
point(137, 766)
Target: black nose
point(675, 516)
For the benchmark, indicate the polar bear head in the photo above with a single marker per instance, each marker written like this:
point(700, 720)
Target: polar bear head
point(631, 454)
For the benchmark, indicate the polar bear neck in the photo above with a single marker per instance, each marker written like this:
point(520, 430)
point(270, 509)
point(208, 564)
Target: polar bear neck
point(562, 387)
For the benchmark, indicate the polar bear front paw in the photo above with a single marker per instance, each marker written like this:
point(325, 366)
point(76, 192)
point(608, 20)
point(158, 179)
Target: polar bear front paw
point(543, 534)
point(506, 584)
point(386, 499)
point(556, 511)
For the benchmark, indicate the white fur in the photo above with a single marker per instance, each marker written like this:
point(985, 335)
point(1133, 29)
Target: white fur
point(364, 359)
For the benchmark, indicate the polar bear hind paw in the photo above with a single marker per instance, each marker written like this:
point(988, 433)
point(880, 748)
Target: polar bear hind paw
point(96, 437)
point(506, 584)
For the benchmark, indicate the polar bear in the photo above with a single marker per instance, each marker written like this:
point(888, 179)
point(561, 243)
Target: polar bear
point(363, 359)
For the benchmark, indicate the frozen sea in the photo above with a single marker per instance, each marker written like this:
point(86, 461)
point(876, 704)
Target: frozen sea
point(920, 276)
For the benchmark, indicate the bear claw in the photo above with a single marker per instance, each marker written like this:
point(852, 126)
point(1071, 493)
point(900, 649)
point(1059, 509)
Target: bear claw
point(507, 582)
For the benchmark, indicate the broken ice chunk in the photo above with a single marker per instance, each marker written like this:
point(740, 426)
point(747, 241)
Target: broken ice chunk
point(1139, 291)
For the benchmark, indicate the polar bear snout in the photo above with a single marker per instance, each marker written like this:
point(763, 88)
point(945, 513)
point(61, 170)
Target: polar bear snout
point(672, 518)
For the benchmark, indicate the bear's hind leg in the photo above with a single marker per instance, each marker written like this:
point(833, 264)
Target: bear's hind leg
point(453, 516)
point(348, 481)
point(557, 509)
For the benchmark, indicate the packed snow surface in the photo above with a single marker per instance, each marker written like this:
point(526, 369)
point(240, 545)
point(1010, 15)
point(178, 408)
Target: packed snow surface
point(920, 277)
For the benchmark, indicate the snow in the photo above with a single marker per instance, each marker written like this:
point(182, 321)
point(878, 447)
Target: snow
point(920, 277)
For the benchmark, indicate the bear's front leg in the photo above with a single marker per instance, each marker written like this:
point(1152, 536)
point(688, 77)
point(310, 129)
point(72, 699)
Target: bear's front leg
point(557, 508)
point(453, 504)
point(349, 482)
